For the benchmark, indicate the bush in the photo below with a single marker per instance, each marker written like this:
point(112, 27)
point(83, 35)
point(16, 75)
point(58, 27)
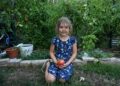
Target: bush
point(35, 19)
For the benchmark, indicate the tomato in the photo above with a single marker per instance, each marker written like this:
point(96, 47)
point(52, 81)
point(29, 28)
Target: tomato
point(60, 62)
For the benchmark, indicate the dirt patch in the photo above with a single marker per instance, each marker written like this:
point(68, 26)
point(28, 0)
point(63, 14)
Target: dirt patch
point(33, 76)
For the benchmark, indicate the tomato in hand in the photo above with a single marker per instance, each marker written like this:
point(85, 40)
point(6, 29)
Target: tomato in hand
point(60, 62)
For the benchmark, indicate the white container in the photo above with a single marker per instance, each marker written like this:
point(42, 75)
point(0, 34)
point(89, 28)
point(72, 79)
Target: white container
point(26, 50)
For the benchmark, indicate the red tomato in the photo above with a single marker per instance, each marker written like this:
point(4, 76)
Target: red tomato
point(60, 62)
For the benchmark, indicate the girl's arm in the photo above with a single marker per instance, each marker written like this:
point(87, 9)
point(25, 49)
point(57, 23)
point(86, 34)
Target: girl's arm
point(52, 53)
point(74, 54)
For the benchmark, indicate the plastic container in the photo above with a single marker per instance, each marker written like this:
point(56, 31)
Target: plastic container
point(26, 49)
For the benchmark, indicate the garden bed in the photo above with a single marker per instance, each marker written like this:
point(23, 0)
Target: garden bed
point(95, 74)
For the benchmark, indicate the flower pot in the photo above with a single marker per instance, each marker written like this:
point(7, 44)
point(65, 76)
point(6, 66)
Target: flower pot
point(26, 50)
point(12, 52)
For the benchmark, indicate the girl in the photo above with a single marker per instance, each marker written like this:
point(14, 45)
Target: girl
point(63, 46)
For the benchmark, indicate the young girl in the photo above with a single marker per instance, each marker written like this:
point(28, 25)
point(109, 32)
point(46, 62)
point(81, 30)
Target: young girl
point(63, 46)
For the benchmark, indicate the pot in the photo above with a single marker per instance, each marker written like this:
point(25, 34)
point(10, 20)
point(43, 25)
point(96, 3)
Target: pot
point(26, 50)
point(12, 52)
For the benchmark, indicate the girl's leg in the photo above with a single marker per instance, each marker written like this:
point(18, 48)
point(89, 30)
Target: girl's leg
point(49, 77)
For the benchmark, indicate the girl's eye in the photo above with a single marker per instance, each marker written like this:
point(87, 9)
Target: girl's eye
point(64, 27)
point(61, 26)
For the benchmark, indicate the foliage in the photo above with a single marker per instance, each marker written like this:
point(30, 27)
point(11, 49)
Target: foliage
point(31, 22)
point(97, 53)
point(88, 42)
point(37, 54)
point(35, 19)
point(104, 69)
point(2, 78)
point(6, 13)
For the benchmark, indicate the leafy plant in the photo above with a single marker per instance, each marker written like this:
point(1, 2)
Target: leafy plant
point(88, 42)
point(35, 20)
point(97, 53)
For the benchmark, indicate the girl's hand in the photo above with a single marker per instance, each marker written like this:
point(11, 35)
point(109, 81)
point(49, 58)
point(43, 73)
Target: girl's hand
point(60, 67)
point(60, 63)
point(63, 66)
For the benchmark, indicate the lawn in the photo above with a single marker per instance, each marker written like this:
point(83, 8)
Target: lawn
point(95, 74)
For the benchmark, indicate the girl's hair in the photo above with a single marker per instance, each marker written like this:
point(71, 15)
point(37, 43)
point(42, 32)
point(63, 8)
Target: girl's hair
point(66, 21)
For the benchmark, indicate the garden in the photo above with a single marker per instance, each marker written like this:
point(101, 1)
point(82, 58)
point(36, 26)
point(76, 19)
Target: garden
point(96, 25)
point(96, 74)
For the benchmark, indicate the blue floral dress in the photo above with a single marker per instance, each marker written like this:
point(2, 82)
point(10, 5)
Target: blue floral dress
point(63, 50)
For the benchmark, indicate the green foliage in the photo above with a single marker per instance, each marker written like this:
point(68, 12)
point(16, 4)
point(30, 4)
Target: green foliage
point(33, 22)
point(37, 54)
point(97, 53)
point(6, 14)
point(88, 42)
point(104, 69)
point(35, 19)
point(1, 78)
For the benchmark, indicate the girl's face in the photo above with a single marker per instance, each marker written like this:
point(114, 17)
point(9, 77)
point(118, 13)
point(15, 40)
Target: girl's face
point(64, 29)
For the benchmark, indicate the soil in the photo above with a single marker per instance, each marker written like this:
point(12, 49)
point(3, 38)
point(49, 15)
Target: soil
point(33, 76)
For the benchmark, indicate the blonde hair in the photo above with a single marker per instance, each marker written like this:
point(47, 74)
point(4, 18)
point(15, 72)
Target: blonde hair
point(64, 20)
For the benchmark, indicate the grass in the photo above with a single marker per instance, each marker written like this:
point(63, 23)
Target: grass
point(37, 54)
point(44, 54)
point(95, 75)
point(112, 70)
